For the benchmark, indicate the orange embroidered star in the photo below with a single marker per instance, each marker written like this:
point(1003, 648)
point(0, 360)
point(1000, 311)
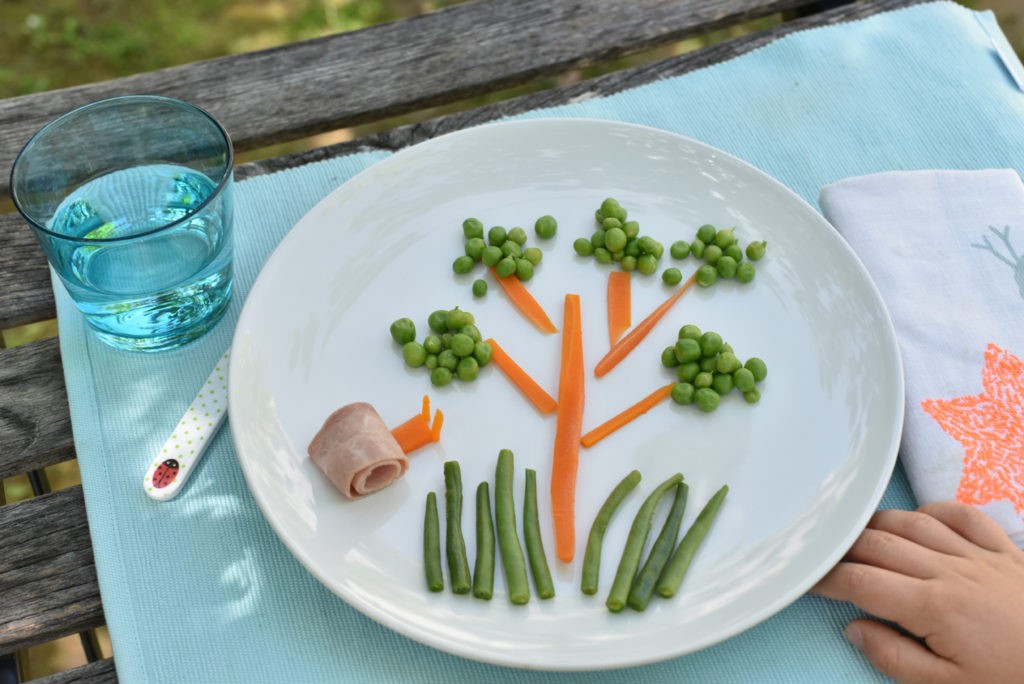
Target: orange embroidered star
point(990, 426)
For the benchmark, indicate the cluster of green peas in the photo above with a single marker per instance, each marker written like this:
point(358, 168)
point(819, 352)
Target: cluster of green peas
point(505, 250)
point(453, 349)
point(722, 255)
point(618, 240)
point(708, 369)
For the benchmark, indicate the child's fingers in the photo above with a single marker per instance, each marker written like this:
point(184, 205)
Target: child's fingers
point(921, 528)
point(898, 656)
point(883, 593)
point(887, 550)
point(971, 523)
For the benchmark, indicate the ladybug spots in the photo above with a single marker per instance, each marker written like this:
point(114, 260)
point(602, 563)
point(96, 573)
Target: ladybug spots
point(166, 473)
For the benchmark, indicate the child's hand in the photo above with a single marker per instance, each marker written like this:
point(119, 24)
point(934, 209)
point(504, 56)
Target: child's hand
point(946, 573)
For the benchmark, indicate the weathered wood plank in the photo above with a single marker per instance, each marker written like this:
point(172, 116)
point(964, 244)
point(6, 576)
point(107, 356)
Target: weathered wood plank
point(99, 672)
point(48, 586)
point(35, 424)
point(346, 79)
point(25, 295)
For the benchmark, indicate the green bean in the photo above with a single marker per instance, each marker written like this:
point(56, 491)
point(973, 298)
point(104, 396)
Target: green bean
point(472, 228)
point(532, 539)
point(403, 330)
point(680, 249)
point(512, 560)
point(414, 354)
point(671, 276)
point(455, 545)
point(546, 227)
point(483, 568)
point(643, 586)
point(592, 555)
point(583, 247)
point(517, 235)
point(638, 533)
point(672, 575)
point(432, 545)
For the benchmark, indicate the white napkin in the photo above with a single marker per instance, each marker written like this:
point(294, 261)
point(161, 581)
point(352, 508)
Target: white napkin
point(946, 250)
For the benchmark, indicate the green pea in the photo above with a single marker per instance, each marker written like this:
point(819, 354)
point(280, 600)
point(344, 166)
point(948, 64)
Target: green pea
point(468, 369)
point(611, 222)
point(697, 248)
point(691, 331)
point(510, 248)
point(615, 239)
point(757, 367)
point(599, 217)
point(431, 361)
point(735, 251)
point(602, 255)
point(506, 267)
point(482, 352)
point(457, 318)
point(472, 332)
point(546, 227)
point(668, 357)
point(726, 362)
point(682, 393)
point(648, 245)
point(631, 229)
point(743, 379)
point(632, 247)
point(707, 399)
point(463, 264)
point(707, 275)
point(414, 354)
point(756, 250)
point(472, 228)
point(647, 264)
point(447, 359)
point(680, 249)
point(438, 321)
point(533, 255)
point(703, 380)
point(524, 269)
point(617, 256)
point(517, 235)
point(745, 272)
point(657, 249)
point(475, 248)
point(432, 343)
point(497, 236)
point(610, 207)
point(706, 233)
point(726, 267)
point(671, 276)
point(752, 396)
point(725, 237)
point(710, 343)
point(479, 287)
point(440, 376)
point(712, 253)
point(492, 255)
point(686, 372)
point(726, 347)
point(687, 349)
point(628, 263)
point(583, 247)
point(722, 383)
point(403, 330)
point(462, 344)
point(707, 364)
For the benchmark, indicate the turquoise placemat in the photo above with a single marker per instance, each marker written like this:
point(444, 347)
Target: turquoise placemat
point(201, 590)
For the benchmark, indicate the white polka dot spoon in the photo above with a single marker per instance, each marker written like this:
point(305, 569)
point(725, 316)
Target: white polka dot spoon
point(186, 445)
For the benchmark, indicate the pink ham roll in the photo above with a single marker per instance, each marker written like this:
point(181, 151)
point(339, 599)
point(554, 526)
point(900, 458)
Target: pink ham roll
point(357, 452)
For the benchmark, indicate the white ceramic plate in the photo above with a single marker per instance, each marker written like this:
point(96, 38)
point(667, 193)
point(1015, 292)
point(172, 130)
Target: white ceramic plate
point(806, 466)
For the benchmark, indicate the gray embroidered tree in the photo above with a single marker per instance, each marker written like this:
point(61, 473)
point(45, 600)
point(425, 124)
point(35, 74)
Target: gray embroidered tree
point(1013, 260)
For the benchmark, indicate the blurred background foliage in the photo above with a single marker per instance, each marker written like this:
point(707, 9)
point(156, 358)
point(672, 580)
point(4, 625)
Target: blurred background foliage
point(49, 44)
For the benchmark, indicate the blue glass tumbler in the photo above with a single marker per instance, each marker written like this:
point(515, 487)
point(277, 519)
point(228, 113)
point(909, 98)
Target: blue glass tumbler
point(130, 198)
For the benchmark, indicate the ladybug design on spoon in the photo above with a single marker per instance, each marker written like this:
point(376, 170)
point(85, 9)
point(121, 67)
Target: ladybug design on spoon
point(166, 473)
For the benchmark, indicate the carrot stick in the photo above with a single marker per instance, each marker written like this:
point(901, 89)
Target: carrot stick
point(635, 411)
point(619, 305)
point(568, 428)
point(544, 402)
point(525, 302)
point(417, 432)
point(621, 349)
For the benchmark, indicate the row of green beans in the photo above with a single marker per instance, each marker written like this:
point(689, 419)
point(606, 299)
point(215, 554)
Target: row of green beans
point(497, 534)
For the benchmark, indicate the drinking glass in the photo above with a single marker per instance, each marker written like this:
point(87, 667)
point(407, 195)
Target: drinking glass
point(130, 198)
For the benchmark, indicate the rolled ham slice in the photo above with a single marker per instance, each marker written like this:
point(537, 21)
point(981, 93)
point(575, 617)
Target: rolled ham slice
point(357, 452)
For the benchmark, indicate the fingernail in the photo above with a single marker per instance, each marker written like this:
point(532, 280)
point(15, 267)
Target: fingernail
point(855, 636)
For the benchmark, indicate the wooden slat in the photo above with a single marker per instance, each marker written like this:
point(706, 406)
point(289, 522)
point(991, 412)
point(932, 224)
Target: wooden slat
point(25, 293)
point(48, 586)
point(305, 88)
point(99, 672)
point(35, 424)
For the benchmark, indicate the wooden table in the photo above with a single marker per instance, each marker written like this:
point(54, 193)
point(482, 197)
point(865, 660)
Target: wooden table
point(48, 586)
